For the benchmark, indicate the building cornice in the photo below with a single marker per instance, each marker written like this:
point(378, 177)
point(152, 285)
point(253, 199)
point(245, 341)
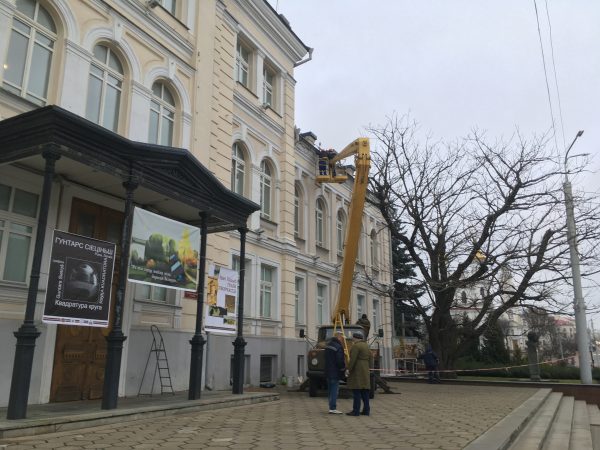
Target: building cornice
point(272, 25)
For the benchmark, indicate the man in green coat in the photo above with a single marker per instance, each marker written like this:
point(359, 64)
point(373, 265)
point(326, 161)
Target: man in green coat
point(359, 377)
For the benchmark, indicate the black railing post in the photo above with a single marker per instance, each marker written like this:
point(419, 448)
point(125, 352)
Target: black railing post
point(239, 344)
point(28, 333)
point(115, 339)
point(198, 341)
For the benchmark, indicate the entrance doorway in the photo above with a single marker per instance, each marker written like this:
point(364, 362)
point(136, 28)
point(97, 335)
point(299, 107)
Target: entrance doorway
point(80, 352)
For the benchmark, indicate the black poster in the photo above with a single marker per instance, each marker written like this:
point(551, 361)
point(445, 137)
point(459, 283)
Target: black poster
point(79, 281)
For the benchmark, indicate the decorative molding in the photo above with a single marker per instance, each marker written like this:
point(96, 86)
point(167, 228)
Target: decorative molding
point(102, 33)
point(71, 26)
point(169, 74)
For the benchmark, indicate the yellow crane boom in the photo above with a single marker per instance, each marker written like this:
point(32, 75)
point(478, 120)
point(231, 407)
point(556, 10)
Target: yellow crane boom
point(362, 160)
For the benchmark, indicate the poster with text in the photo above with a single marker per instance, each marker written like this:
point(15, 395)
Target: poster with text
point(221, 299)
point(79, 281)
point(163, 252)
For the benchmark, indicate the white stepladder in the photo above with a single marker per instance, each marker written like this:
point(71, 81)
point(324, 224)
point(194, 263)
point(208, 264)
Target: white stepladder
point(162, 364)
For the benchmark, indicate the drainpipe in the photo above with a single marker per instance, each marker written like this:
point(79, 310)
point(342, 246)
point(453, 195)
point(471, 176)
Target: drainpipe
point(307, 59)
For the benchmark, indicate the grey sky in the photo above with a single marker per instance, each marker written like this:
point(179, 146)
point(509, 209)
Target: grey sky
point(454, 65)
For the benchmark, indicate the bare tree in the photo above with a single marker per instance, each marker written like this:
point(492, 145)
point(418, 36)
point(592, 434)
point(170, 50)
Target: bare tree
point(477, 213)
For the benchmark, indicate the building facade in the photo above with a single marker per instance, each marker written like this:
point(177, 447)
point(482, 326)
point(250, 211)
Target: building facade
point(215, 78)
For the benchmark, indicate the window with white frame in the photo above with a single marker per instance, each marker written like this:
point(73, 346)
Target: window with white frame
point(341, 232)
point(267, 280)
point(162, 115)
point(242, 64)
point(298, 212)
point(322, 304)
point(300, 294)
point(30, 51)
point(374, 250)
point(238, 169)
point(268, 85)
point(151, 293)
point(376, 315)
point(360, 305)
point(265, 190)
point(170, 5)
point(18, 213)
point(247, 283)
point(320, 223)
point(104, 88)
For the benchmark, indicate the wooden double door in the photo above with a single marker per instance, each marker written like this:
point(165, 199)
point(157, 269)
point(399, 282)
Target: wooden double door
point(80, 352)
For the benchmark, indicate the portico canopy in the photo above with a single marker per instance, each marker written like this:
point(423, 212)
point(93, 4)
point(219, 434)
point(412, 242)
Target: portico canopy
point(170, 180)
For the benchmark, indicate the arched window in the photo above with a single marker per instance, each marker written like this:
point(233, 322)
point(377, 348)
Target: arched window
point(320, 223)
point(104, 89)
point(463, 297)
point(238, 169)
point(162, 115)
point(298, 212)
point(29, 57)
point(374, 249)
point(265, 190)
point(341, 231)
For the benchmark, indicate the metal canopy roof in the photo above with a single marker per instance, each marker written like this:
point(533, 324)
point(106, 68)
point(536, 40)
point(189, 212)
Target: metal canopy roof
point(171, 180)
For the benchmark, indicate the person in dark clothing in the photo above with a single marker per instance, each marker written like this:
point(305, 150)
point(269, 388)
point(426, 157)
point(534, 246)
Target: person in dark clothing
point(431, 364)
point(359, 378)
point(323, 162)
point(364, 322)
point(335, 366)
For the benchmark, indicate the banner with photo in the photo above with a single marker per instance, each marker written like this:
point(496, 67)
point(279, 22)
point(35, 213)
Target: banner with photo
point(221, 299)
point(79, 281)
point(163, 252)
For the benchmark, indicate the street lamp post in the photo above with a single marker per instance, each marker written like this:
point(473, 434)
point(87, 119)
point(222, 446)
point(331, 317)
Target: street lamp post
point(585, 369)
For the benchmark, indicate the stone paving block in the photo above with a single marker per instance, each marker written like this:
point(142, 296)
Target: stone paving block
point(297, 421)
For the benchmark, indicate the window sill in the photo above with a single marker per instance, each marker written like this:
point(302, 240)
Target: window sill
point(268, 107)
point(156, 303)
point(268, 221)
point(15, 290)
point(247, 89)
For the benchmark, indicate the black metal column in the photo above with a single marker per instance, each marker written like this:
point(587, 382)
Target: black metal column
point(239, 344)
point(28, 333)
point(198, 340)
point(115, 339)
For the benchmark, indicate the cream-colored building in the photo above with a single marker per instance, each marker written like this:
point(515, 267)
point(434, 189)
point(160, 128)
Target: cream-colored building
point(214, 77)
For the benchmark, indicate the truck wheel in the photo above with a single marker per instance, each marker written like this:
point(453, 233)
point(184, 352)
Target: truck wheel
point(313, 387)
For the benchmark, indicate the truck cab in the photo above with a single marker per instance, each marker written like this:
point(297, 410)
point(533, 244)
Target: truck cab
point(316, 358)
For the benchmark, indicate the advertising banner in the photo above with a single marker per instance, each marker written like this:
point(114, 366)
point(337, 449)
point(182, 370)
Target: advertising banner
point(221, 299)
point(79, 281)
point(163, 252)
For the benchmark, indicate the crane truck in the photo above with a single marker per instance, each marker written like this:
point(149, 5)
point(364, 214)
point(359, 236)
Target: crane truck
point(340, 320)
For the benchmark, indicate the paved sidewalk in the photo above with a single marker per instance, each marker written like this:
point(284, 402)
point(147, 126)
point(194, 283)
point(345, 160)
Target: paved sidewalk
point(421, 417)
point(54, 417)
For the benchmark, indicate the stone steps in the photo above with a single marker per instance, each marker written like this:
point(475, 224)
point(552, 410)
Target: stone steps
point(546, 421)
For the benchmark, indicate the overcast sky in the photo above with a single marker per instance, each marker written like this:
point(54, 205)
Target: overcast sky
point(454, 65)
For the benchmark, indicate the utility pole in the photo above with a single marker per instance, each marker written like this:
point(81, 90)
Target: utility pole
point(583, 348)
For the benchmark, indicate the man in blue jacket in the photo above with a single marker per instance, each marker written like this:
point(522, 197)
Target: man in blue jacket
point(431, 361)
point(335, 366)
